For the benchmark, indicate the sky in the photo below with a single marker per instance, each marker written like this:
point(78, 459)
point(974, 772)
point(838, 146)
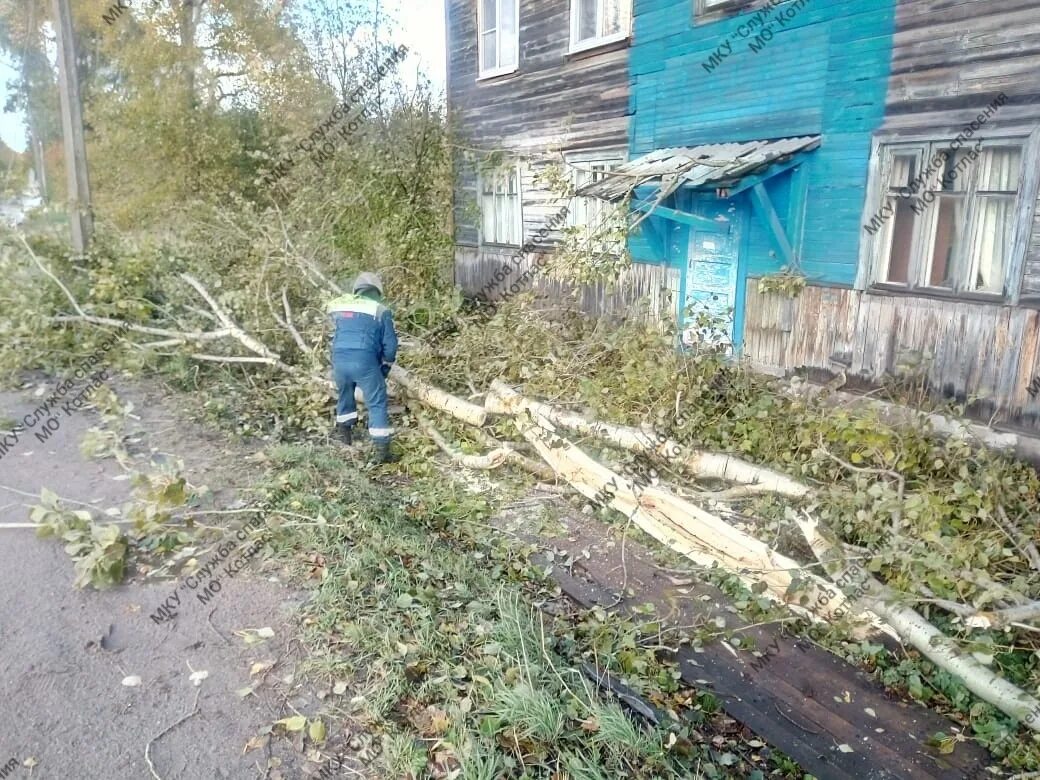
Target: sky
point(421, 24)
point(12, 131)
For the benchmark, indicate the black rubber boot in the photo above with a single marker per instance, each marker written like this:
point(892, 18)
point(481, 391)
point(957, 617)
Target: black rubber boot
point(345, 434)
point(382, 453)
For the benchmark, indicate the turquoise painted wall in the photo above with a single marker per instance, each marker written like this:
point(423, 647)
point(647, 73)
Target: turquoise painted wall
point(824, 72)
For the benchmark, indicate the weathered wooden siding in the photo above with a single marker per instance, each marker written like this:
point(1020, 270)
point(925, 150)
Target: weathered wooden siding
point(823, 72)
point(969, 350)
point(951, 57)
point(643, 289)
point(950, 60)
point(553, 100)
point(553, 103)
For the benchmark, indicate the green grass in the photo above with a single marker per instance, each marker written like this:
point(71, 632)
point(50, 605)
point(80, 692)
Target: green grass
point(431, 616)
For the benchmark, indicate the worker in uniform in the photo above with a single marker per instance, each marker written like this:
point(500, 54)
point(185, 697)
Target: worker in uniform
point(364, 347)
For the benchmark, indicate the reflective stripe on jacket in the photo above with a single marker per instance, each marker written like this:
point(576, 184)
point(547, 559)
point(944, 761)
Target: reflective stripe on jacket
point(363, 324)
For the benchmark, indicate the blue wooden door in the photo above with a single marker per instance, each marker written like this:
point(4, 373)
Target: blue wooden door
point(711, 278)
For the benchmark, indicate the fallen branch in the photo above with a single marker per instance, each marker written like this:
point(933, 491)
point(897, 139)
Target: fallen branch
point(287, 321)
point(898, 414)
point(502, 399)
point(290, 325)
point(1028, 549)
point(172, 337)
point(930, 641)
point(55, 279)
point(244, 338)
point(1003, 617)
point(236, 359)
point(167, 730)
point(492, 460)
point(536, 467)
point(499, 456)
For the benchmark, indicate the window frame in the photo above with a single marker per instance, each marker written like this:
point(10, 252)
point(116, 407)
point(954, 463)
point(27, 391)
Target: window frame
point(576, 47)
point(703, 13)
point(614, 154)
point(498, 70)
point(875, 248)
point(482, 177)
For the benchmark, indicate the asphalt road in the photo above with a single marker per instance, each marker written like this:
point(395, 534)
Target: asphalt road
point(65, 652)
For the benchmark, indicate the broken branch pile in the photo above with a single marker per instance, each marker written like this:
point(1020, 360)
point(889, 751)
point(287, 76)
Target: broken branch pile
point(704, 537)
point(708, 540)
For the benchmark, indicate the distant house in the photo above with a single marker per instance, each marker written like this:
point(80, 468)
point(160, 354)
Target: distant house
point(887, 151)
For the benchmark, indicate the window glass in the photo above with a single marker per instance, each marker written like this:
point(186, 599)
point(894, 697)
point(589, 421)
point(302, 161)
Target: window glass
point(612, 17)
point(489, 50)
point(992, 244)
point(1000, 168)
point(499, 37)
point(500, 207)
point(946, 219)
point(949, 216)
point(587, 27)
point(900, 243)
point(598, 217)
point(490, 15)
point(904, 171)
point(509, 39)
point(707, 6)
point(593, 21)
point(899, 231)
point(945, 244)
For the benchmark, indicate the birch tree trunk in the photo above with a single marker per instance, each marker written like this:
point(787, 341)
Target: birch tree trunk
point(438, 399)
point(930, 641)
point(704, 538)
point(502, 399)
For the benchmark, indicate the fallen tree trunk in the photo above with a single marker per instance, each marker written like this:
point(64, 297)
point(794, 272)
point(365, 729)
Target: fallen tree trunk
point(685, 528)
point(898, 414)
point(914, 629)
point(438, 399)
point(502, 399)
point(702, 537)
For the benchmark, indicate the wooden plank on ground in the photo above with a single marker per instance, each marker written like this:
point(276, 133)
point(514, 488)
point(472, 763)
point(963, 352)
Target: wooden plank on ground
point(803, 700)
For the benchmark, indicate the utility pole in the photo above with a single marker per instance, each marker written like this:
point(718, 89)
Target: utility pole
point(41, 169)
point(81, 218)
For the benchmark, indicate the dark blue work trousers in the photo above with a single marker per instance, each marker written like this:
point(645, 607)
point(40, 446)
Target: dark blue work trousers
point(353, 368)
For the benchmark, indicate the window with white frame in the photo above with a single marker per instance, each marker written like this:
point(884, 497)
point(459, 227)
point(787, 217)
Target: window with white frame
point(718, 9)
point(500, 211)
point(946, 215)
point(498, 23)
point(596, 22)
point(597, 217)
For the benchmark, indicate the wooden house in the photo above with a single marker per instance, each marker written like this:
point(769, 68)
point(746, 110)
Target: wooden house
point(887, 151)
point(534, 84)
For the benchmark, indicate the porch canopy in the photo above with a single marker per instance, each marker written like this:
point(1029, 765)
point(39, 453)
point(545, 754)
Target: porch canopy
point(714, 166)
point(728, 169)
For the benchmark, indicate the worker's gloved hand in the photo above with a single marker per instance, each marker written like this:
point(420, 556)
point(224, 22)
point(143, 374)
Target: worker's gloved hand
point(385, 368)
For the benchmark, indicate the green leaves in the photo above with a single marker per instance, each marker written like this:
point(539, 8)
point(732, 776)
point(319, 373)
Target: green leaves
point(98, 551)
